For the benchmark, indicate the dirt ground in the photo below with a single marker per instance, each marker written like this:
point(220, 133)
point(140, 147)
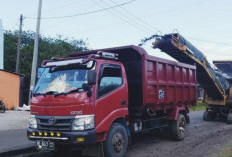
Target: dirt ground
point(203, 139)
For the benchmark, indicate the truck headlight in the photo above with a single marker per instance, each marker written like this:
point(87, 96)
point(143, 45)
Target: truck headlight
point(32, 122)
point(83, 122)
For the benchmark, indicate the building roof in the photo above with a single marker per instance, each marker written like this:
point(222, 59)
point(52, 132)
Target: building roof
point(13, 73)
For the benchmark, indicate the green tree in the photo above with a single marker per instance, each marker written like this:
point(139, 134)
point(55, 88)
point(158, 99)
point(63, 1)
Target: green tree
point(48, 48)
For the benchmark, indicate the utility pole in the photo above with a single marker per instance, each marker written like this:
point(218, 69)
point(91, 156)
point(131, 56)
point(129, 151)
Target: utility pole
point(18, 61)
point(35, 53)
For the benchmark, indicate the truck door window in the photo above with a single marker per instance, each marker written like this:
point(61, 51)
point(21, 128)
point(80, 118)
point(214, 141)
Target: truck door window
point(111, 79)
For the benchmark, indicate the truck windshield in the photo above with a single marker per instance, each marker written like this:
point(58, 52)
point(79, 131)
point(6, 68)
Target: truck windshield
point(63, 79)
point(60, 81)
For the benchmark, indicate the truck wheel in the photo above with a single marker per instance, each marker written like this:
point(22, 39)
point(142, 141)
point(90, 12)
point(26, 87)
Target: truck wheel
point(178, 128)
point(207, 116)
point(116, 142)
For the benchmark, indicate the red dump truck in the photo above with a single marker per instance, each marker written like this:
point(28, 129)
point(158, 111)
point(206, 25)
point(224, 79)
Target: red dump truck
point(102, 97)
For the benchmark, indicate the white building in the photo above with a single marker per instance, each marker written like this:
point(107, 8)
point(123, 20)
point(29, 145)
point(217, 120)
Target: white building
point(1, 46)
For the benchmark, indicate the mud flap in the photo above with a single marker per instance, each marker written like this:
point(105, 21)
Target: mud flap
point(94, 150)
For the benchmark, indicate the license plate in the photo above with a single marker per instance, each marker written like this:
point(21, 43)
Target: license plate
point(45, 145)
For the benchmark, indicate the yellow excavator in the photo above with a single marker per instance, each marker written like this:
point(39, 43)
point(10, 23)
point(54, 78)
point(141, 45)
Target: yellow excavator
point(215, 82)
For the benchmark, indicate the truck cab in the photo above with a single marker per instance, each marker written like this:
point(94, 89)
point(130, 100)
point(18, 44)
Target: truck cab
point(76, 100)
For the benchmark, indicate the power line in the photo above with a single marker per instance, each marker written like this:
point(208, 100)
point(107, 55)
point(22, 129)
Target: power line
point(63, 6)
point(200, 2)
point(209, 41)
point(55, 8)
point(65, 20)
point(127, 21)
point(87, 13)
point(139, 19)
point(221, 55)
point(93, 29)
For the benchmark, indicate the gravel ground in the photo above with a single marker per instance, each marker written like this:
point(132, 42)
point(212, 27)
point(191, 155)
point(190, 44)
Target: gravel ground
point(203, 139)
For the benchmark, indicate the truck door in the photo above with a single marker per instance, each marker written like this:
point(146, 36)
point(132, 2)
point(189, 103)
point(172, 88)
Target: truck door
point(111, 91)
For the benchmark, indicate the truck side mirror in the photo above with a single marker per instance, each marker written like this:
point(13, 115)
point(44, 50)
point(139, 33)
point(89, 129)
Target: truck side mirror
point(87, 88)
point(91, 77)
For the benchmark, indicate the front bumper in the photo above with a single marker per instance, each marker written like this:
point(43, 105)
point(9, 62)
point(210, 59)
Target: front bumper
point(71, 137)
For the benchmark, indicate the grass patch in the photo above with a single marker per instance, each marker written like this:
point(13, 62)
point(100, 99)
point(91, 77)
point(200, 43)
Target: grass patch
point(199, 107)
point(226, 151)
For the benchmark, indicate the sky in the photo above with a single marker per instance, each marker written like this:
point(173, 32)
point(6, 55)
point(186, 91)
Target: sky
point(206, 24)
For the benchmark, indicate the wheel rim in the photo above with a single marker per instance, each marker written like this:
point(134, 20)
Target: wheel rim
point(182, 126)
point(118, 142)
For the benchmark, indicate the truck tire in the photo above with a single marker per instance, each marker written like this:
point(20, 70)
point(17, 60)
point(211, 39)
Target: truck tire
point(178, 128)
point(207, 116)
point(116, 142)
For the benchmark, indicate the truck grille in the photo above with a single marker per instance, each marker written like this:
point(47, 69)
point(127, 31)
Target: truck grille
point(62, 123)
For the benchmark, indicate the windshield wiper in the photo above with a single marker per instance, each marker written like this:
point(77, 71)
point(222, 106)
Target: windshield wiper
point(73, 91)
point(50, 93)
point(35, 94)
point(57, 94)
point(69, 92)
point(44, 94)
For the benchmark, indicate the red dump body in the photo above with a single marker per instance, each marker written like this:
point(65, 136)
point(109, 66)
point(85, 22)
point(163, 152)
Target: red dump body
point(168, 84)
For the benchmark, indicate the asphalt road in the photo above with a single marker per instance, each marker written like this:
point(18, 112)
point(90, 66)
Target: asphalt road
point(13, 131)
point(202, 139)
